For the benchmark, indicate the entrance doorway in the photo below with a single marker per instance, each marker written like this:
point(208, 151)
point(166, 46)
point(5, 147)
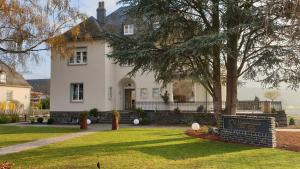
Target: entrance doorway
point(129, 99)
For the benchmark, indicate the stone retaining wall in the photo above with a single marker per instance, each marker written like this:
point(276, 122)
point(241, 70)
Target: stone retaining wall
point(253, 130)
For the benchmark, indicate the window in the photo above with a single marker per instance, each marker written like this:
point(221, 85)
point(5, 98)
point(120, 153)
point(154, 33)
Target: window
point(77, 92)
point(129, 29)
point(110, 93)
point(9, 95)
point(155, 93)
point(80, 57)
point(2, 77)
point(144, 93)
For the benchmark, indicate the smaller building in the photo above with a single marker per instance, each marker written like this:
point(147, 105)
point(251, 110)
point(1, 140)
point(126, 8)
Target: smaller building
point(14, 90)
point(40, 91)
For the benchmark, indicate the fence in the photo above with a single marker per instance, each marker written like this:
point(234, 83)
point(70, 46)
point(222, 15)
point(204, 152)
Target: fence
point(242, 106)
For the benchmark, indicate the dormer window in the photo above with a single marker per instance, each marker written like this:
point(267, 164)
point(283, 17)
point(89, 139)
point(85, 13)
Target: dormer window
point(129, 29)
point(2, 77)
point(80, 57)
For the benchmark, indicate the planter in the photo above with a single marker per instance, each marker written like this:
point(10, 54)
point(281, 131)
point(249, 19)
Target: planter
point(115, 120)
point(115, 123)
point(83, 123)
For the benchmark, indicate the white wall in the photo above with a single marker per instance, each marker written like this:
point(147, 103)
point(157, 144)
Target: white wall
point(91, 75)
point(20, 94)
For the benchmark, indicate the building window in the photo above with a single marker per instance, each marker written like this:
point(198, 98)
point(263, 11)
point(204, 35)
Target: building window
point(144, 93)
point(155, 93)
point(110, 93)
point(2, 77)
point(76, 92)
point(80, 57)
point(9, 95)
point(129, 29)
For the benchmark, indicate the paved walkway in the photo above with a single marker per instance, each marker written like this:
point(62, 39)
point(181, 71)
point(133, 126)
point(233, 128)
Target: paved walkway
point(39, 143)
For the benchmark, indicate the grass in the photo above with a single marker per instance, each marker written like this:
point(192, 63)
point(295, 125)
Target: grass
point(10, 135)
point(149, 149)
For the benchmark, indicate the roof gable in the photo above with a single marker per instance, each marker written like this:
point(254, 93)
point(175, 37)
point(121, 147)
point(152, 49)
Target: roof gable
point(13, 78)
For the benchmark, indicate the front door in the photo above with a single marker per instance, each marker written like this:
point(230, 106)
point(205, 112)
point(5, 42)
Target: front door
point(129, 99)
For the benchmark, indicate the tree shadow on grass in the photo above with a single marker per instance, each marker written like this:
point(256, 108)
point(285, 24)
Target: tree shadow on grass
point(172, 149)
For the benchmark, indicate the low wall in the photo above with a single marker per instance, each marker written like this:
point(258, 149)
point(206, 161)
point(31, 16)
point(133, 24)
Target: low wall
point(253, 130)
point(161, 117)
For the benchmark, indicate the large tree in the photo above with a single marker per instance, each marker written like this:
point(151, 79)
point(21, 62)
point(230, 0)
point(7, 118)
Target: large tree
point(175, 41)
point(25, 26)
point(254, 39)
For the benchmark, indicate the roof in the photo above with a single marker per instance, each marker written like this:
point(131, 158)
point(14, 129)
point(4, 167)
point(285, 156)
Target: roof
point(13, 78)
point(40, 85)
point(91, 28)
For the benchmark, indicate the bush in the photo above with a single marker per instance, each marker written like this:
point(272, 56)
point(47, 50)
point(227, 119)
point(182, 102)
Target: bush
point(177, 110)
point(140, 112)
point(200, 108)
point(93, 112)
point(15, 118)
point(5, 119)
point(40, 120)
point(32, 121)
point(50, 121)
point(292, 121)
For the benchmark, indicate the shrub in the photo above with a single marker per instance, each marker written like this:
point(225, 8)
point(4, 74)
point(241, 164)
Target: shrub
point(273, 110)
point(83, 115)
point(32, 120)
point(50, 121)
point(140, 112)
point(93, 112)
point(116, 114)
point(200, 108)
point(177, 110)
point(5, 119)
point(15, 118)
point(292, 121)
point(40, 120)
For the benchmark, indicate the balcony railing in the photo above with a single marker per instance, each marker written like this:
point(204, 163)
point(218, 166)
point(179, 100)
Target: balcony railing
point(243, 106)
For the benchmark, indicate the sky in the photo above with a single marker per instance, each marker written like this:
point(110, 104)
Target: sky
point(41, 70)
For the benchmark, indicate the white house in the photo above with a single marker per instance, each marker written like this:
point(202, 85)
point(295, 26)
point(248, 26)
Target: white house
point(89, 79)
point(13, 89)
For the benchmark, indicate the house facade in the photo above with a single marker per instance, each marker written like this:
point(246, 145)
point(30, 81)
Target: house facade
point(14, 91)
point(89, 79)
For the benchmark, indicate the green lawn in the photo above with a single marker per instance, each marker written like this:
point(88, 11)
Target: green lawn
point(10, 135)
point(150, 148)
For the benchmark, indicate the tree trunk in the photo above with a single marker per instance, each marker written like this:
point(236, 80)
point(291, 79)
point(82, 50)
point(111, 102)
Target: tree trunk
point(232, 57)
point(231, 86)
point(217, 87)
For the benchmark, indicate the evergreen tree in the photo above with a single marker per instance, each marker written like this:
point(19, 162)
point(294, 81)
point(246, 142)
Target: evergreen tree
point(254, 39)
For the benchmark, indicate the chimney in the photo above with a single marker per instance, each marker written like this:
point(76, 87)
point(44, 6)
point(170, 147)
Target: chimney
point(101, 13)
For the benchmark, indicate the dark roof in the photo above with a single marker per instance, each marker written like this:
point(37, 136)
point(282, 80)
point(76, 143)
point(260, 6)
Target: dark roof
point(13, 78)
point(92, 28)
point(40, 85)
point(88, 28)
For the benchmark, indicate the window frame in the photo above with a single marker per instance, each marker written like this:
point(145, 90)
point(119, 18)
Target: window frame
point(128, 29)
point(142, 96)
point(72, 86)
point(83, 57)
point(158, 93)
